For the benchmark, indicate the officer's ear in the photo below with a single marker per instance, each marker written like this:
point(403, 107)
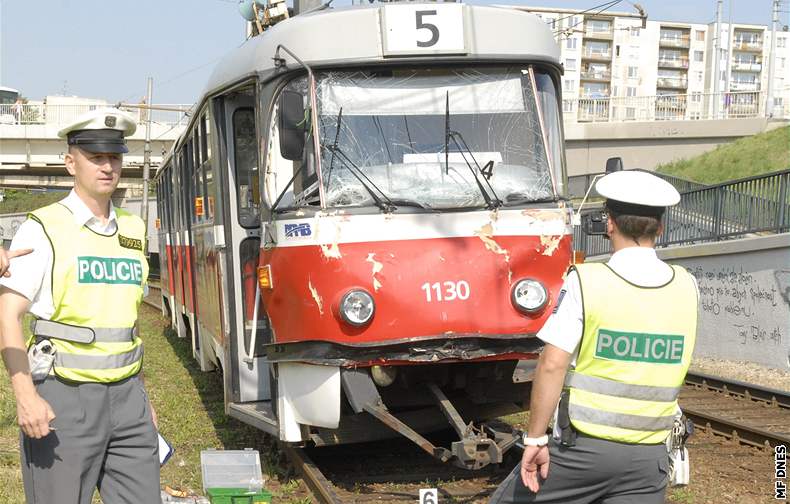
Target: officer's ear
point(68, 160)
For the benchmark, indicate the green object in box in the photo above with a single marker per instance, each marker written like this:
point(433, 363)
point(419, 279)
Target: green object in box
point(238, 496)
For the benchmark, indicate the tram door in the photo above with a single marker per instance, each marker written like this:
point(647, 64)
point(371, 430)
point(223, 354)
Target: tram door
point(241, 149)
point(185, 305)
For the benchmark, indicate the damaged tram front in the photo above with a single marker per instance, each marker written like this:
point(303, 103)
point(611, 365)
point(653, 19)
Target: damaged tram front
point(414, 228)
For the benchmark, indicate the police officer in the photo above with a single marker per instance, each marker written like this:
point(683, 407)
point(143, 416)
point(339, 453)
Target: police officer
point(86, 423)
point(626, 329)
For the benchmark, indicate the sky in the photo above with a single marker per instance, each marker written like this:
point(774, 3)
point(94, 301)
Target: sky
point(107, 48)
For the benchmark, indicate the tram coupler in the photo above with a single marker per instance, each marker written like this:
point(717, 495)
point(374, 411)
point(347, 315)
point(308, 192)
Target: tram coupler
point(475, 449)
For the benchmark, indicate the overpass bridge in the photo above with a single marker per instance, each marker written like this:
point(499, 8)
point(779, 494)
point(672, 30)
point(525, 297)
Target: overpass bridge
point(31, 154)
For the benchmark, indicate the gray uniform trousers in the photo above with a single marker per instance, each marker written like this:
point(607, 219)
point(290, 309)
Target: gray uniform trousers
point(594, 471)
point(104, 438)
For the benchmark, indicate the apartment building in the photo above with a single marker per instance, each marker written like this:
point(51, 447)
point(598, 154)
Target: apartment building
point(618, 69)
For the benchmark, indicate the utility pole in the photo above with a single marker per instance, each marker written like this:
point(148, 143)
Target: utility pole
point(769, 100)
point(147, 156)
point(717, 62)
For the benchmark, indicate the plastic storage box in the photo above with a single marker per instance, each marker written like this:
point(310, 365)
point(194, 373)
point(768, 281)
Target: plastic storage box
point(238, 496)
point(233, 477)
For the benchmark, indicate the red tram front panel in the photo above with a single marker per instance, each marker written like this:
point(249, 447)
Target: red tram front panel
point(430, 275)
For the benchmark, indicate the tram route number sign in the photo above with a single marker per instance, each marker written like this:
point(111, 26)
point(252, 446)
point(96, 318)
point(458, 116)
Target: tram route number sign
point(415, 30)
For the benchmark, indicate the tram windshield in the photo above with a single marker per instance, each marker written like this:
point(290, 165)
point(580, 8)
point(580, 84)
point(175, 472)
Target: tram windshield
point(436, 139)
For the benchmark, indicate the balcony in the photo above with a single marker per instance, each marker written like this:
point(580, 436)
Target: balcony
point(597, 33)
point(592, 75)
point(673, 63)
point(680, 42)
point(747, 66)
point(672, 82)
point(597, 55)
point(744, 86)
point(748, 45)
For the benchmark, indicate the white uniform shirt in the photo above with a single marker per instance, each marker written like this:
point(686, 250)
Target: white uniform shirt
point(563, 329)
point(31, 274)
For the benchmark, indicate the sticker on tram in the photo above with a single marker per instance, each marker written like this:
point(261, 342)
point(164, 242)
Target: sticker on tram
point(446, 291)
point(300, 230)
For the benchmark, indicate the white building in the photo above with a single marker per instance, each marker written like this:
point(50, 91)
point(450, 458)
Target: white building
point(616, 69)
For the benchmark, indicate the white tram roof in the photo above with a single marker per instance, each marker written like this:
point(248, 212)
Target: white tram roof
point(352, 35)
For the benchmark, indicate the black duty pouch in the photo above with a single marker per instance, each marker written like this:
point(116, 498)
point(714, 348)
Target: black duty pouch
point(567, 432)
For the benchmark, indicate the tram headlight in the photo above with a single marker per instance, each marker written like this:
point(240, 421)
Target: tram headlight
point(357, 308)
point(529, 296)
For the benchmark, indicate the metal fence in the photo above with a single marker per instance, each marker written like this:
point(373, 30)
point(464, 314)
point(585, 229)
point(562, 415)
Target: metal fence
point(691, 106)
point(64, 114)
point(578, 184)
point(759, 204)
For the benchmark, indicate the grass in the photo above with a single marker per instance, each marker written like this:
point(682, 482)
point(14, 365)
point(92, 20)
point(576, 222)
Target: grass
point(190, 407)
point(763, 153)
point(17, 201)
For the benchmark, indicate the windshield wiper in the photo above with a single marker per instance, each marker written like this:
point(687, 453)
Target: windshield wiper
point(337, 135)
point(518, 198)
point(385, 206)
point(411, 203)
point(491, 203)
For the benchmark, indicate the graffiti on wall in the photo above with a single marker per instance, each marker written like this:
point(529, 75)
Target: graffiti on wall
point(747, 310)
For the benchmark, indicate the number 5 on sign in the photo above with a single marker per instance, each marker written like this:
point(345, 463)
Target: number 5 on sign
point(413, 30)
point(429, 496)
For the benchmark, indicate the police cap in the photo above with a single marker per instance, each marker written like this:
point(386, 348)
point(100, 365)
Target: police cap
point(636, 192)
point(100, 130)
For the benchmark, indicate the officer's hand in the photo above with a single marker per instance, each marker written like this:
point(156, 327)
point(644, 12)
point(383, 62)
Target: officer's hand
point(34, 415)
point(7, 255)
point(535, 460)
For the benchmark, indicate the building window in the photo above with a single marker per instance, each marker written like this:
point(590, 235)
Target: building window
point(630, 91)
point(780, 62)
point(568, 85)
point(615, 91)
point(634, 31)
point(633, 72)
point(781, 41)
point(778, 101)
point(696, 97)
point(699, 56)
point(570, 43)
point(570, 64)
point(567, 105)
point(700, 35)
point(700, 75)
point(630, 113)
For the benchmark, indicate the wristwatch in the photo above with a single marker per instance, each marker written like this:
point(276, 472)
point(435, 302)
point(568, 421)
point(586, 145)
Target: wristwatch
point(535, 441)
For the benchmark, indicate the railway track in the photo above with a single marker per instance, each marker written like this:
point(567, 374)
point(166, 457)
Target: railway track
point(746, 413)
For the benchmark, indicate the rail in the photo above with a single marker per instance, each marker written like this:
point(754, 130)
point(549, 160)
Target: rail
point(751, 205)
point(744, 412)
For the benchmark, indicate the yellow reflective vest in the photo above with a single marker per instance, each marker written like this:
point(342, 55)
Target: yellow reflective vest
point(636, 348)
point(97, 286)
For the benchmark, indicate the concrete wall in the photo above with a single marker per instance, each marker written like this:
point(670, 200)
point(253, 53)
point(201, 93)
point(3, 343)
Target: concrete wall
point(647, 144)
point(744, 311)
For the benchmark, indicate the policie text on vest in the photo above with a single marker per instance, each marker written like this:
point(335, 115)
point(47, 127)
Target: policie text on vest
point(639, 347)
point(109, 270)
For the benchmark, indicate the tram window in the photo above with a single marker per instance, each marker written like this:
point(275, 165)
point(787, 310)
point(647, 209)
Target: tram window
point(547, 96)
point(246, 164)
point(206, 170)
point(248, 253)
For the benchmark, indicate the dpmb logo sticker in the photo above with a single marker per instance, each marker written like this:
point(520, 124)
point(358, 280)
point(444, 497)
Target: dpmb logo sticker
point(109, 270)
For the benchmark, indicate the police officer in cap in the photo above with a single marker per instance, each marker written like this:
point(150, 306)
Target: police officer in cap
point(626, 329)
point(84, 415)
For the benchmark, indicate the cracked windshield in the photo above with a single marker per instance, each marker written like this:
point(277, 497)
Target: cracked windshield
point(434, 139)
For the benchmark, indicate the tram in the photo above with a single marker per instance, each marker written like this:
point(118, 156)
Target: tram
point(365, 223)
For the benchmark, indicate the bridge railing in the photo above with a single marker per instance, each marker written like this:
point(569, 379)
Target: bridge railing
point(751, 205)
point(667, 107)
point(64, 114)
